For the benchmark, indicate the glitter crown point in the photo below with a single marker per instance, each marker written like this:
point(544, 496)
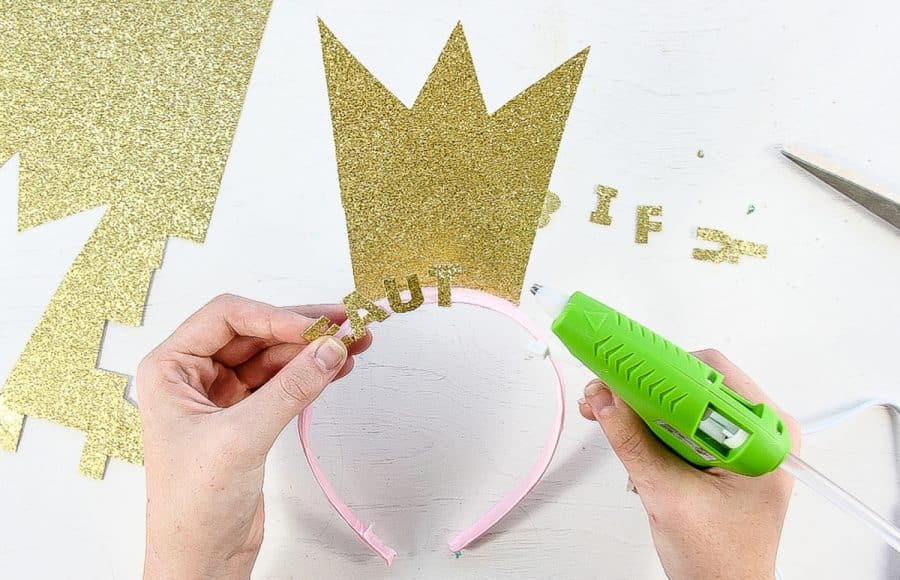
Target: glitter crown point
point(444, 181)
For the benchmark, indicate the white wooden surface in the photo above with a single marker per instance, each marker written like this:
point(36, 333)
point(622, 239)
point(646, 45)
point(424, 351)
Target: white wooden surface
point(443, 415)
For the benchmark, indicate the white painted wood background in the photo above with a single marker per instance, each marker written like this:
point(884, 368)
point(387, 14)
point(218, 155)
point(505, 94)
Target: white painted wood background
point(443, 415)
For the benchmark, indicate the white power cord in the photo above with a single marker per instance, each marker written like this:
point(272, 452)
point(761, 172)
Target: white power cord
point(834, 418)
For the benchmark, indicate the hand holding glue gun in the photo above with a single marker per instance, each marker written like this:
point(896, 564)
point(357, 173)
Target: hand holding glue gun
point(656, 402)
point(695, 514)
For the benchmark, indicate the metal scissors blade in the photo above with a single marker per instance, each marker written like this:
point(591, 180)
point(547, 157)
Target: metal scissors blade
point(886, 209)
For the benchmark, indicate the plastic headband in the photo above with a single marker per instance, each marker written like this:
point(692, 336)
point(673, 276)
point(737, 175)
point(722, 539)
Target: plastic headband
point(511, 499)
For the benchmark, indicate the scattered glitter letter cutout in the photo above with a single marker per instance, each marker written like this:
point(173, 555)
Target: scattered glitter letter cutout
point(730, 251)
point(132, 106)
point(552, 203)
point(444, 180)
point(644, 225)
point(605, 196)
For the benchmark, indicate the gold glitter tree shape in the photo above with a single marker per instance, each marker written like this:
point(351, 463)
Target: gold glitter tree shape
point(131, 106)
point(444, 181)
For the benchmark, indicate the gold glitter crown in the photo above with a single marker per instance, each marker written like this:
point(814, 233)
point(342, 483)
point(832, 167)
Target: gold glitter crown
point(443, 181)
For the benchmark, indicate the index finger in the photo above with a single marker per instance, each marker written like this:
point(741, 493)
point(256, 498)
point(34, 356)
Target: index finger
point(738, 381)
point(333, 312)
point(734, 378)
point(337, 314)
point(227, 317)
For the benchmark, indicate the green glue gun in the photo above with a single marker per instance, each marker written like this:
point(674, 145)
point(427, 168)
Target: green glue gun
point(685, 403)
point(682, 399)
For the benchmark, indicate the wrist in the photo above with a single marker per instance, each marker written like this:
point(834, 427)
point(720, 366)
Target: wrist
point(185, 565)
point(719, 571)
point(170, 559)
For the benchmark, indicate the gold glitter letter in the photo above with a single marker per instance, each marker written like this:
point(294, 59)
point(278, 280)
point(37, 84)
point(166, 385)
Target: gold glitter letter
point(353, 303)
point(731, 250)
point(131, 105)
point(321, 327)
point(644, 226)
point(396, 301)
point(605, 195)
point(444, 274)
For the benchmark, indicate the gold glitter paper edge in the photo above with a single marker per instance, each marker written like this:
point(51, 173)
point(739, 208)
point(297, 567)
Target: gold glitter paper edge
point(101, 103)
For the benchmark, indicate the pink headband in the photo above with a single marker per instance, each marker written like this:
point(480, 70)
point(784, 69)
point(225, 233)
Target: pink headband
point(505, 505)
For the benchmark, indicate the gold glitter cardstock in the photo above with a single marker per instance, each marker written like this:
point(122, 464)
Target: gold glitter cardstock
point(605, 196)
point(443, 180)
point(730, 250)
point(132, 106)
point(644, 225)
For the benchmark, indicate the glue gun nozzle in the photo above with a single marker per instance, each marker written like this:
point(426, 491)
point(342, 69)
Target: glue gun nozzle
point(549, 298)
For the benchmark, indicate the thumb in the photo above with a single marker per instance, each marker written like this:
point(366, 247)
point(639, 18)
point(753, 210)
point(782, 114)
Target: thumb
point(647, 461)
point(268, 411)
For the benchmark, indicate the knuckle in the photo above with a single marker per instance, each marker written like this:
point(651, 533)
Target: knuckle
point(172, 370)
point(145, 375)
point(268, 358)
point(296, 387)
point(711, 356)
point(146, 366)
point(224, 298)
point(224, 301)
point(268, 320)
point(629, 446)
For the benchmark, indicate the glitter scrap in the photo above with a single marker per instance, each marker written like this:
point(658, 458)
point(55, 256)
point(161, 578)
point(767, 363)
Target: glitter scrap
point(552, 203)
point(131, 105)
point(443, 180)
point(605, 195)
point(730, 251)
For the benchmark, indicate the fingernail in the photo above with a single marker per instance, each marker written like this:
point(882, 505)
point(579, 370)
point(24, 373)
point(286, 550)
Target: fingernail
point(330, 354)
point(582, 402)
point(598, 396)
point(593, 388)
